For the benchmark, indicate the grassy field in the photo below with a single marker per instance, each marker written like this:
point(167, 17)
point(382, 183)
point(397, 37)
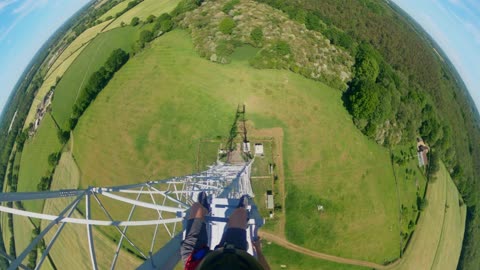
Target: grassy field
point(143, 10)
point(73, 237)
point(22, 229)
point(89, 61)
point(113, 11)
point(135, 131)
point(437, 242)
point(278, 256)
point(411, 183)
point(34, 164)
point(83, 39)
point(448, 251)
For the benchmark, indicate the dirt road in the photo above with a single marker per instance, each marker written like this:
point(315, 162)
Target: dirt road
point(284, 243)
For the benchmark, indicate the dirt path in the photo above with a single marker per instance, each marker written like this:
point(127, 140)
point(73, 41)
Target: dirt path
point(284, 243)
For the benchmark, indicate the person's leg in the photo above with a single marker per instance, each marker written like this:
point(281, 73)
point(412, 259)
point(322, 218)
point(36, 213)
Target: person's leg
point(236, 233)
point(196, 232)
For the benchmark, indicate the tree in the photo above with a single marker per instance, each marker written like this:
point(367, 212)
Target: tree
point(163, 23)
point(63, 136)
point(166, 25)
point(116, 60)
point(53, 159)
point(367, 69)
point(363, 99)
point(135, 21)
point(150, 19)
point(226, 26)
point(422, 203)
point(257, 35)
point(145, 37)
point(21, 138)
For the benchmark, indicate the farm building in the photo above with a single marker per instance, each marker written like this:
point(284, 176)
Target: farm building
point(270, 204)
point(422, 151)
point(259, 149)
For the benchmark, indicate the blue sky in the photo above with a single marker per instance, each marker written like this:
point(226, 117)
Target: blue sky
point(26, 24)
point(455, 25)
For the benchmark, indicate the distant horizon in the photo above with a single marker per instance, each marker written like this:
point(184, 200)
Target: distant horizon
point(462, 20)
point(17, 17)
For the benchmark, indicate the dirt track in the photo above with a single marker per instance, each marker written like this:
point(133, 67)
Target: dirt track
point(284, 243)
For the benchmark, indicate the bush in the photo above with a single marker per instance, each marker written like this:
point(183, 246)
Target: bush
point(226, 26)
point(135, 21)
point(257, 35)
point(229, 5)
point(281, 48)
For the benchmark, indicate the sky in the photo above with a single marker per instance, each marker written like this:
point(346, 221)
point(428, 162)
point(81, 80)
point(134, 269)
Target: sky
point(25, 25)
point(455, 26)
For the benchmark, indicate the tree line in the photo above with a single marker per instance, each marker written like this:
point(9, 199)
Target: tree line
point(96, 82)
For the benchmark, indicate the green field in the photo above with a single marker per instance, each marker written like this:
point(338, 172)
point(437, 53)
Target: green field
point(61, 64)
point(74, 237)
point(34, 164)
point(411, 183)
point(158, 122)
point(113, 11)
point(82, 40)
point(22, 230)
point(437, 242)
point(143, 10)
point(278, 256)
point(89, 61)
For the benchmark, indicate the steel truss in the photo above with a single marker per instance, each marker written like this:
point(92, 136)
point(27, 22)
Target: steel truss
point(166, 197)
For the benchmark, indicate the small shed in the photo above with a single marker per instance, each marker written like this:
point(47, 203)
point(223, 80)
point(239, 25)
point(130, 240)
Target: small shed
point(246, 147)
point(259, 149)
point(270, 204)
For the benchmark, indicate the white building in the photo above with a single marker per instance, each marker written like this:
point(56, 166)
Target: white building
point(259, 149)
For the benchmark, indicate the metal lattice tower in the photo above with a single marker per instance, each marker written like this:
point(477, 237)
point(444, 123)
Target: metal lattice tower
point(170, 197)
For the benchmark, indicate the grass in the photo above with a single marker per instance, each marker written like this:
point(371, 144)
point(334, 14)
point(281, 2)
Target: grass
point(437, 241)
point(410, 182)
point(207, 153)
point(448, 251)
point(22, 230)
point(73, 237)
point(82, 40)
point(89, 61)
point(34, 163)
point(143, 10)
point(113, 11)
point(150, 130)
point(278, 256)
point(261, 166)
